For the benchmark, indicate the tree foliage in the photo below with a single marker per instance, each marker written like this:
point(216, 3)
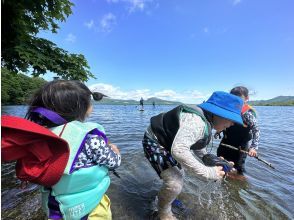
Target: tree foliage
point(23, 51)
point(16, 88)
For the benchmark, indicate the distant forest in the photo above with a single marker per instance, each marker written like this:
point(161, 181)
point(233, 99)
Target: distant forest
point(277, 101)
point(17, 88)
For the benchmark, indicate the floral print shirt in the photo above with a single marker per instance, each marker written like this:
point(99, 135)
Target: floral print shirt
point(251, 121)
point(97, 151)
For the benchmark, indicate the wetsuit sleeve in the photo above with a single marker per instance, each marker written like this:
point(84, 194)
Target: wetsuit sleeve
point(96, 151)
point(251, 121)
point(191, 130)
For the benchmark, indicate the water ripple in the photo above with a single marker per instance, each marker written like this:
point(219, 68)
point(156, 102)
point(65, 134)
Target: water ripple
point(264, 194)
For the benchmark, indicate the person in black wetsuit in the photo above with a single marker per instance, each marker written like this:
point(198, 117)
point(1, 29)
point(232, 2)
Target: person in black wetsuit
point(142, 103)
point(240, 135)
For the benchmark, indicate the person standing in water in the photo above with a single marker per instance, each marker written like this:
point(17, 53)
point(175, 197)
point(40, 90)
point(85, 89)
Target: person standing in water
point(171, 136)
point(239, 136)
point(142, 103)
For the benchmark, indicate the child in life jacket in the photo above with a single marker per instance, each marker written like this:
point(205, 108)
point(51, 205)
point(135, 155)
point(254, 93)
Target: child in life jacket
point(62, 106)
point(172, 136)
point(239, 136)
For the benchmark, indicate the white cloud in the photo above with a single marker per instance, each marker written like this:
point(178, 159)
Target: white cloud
point(168, 93)
point(137, 94)
point(89, 24)
point(107, 22)
point(188, 96)
point(131, 6)
point(135, 5)
point(109, 90)
point(70, 38)
point(236, 2)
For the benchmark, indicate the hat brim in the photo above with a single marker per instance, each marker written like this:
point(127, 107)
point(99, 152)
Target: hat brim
point(229, 115)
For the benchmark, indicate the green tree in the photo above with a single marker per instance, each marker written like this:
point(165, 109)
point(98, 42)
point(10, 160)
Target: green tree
point(21, 21)
point(16, 88)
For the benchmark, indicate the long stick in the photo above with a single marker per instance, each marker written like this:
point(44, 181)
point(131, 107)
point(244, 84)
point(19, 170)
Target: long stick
point(246, 152)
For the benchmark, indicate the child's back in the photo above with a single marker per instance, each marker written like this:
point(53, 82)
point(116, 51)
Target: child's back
point(62, 106)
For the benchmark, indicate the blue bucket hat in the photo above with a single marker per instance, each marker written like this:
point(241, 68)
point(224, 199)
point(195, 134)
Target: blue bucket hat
point(225, 105)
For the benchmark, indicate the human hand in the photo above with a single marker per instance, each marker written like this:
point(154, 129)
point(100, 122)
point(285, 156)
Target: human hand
point(219, 171)
point(230, 162)
point(252, 152)
point(114, 148)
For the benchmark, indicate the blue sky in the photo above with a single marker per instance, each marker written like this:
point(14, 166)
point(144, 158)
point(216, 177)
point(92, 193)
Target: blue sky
point(183, 49)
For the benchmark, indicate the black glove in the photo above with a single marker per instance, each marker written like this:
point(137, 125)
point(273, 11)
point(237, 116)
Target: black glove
point(212, 160)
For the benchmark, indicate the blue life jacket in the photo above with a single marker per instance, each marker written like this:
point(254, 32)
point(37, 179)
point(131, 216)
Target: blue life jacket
point(78, 192)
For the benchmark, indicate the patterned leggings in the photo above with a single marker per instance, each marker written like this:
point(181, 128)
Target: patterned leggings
point(169, 171)
point(157, 155)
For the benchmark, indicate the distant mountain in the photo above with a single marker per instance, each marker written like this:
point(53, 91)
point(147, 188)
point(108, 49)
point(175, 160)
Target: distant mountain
point(277, 101)
point(157, 101)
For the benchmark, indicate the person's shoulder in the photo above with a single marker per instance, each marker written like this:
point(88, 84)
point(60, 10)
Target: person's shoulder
point(96, 125)
point(87, 125)
point(251, 112)
point(251, 108)
point(192, 119)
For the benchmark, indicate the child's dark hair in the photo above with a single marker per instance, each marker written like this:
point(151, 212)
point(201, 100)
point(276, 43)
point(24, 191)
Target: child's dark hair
point(240, 91)
point(70, 99)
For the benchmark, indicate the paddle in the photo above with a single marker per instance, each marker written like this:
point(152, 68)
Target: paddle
point(246, 152)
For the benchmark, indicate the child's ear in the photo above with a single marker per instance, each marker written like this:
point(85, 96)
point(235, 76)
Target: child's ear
point(97, 96)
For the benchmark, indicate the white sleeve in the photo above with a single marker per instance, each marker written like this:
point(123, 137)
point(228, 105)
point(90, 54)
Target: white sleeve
point(200, 153)
point(191, 130)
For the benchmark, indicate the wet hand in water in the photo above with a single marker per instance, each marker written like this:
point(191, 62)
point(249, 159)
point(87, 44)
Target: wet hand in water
point(220, 170)
point(230, 162)
point(114, 148)
point(252, 152)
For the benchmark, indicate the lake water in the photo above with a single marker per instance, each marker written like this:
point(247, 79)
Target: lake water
point(264, 194)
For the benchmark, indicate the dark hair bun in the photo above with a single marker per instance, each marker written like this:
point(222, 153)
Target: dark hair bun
point(97, 96)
